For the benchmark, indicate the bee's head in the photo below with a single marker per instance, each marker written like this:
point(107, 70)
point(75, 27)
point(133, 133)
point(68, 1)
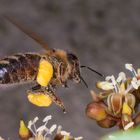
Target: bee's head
point(75, 67)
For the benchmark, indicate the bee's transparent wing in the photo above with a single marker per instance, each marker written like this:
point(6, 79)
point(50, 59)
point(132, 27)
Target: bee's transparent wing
point(28, 32)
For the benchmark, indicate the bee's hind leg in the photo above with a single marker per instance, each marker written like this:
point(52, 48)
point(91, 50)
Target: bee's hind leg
point(56, 100)
point(51, 92)
point(35, 89)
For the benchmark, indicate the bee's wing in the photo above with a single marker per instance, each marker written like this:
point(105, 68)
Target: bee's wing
point(28, 32)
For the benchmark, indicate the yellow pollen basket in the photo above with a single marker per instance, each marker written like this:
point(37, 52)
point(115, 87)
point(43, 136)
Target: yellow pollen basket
point(23, 130)
point(40, 99)
point(45, 73)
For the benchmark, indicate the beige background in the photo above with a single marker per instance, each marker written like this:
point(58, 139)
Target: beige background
point(105, 34)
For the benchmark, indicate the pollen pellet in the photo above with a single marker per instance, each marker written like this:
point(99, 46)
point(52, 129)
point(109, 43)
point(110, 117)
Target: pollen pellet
point(40, 99)
point(45, 73)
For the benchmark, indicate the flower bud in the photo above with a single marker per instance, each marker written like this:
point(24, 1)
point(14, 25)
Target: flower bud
point(96, 111)
point(24, 132)
point(108, 122)
point(95, 96)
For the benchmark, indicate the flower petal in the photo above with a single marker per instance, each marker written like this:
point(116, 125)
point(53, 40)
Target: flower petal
point(105, 85)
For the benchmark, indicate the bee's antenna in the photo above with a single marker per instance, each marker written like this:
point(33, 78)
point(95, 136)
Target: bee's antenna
point(84, 81)
point(93, 70)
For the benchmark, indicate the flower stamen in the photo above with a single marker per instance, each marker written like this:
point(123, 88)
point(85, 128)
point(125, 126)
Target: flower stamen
point(131, 69)
point(112, 78)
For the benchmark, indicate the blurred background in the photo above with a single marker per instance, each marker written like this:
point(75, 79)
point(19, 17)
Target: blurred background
point(104, 34)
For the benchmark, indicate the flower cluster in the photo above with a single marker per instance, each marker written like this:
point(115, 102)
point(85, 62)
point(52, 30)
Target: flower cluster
point(32, 132)
point(117, 102)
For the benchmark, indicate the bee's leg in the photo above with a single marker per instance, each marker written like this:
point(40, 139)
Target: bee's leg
point(65, 85)
point(56, 100)
point(61, 70)
point(36, 87)
point(60, 73)
point(51, 92)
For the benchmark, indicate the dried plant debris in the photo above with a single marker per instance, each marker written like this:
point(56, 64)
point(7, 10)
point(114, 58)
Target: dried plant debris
point(32, 132)
point(117, 101)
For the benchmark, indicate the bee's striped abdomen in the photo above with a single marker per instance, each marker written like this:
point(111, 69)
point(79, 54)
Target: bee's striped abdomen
point(19, 68)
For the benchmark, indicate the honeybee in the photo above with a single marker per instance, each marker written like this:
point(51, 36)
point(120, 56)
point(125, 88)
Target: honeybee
point(48, 70)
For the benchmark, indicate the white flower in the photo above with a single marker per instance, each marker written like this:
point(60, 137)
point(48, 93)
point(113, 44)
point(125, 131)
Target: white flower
point(64, 133)
point(105, 85)
point(30, 123)
point(114, 82)
point(78, 138)
point(128, 125)
point(130, 68)
point(35, 120)
point(47, 118)
point(112, 78)
point(121, 77)
point(135, 83)
point(59, 128)
point(41, 128)
point(43, 131)
point(108, 78)
point(53, 128)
